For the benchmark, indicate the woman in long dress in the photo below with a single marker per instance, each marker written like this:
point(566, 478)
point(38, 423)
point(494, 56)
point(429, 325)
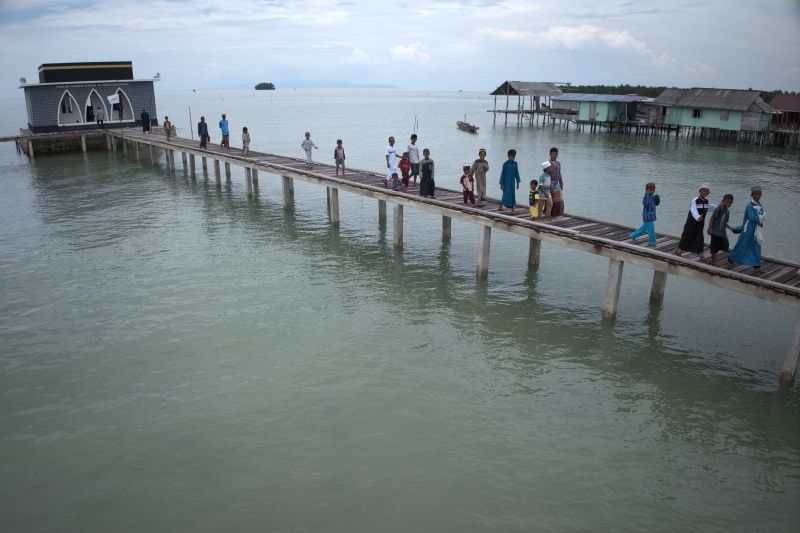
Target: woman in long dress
point(427, 185)
point(748, 247)
point(509, 182)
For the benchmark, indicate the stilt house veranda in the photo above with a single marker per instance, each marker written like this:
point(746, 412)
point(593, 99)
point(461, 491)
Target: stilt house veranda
point(68, 96)
point(721, 109)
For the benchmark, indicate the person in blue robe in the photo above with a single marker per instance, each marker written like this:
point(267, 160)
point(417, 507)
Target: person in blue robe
point(508, 176)
point(748, 247)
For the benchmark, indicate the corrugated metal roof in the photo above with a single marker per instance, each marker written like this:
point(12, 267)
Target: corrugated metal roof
point(527, 88)
point(585, 97)
point(786, 102)
point(698, 97)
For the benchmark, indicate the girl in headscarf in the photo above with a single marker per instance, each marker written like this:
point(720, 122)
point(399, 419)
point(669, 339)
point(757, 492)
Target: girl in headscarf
point(748, 247)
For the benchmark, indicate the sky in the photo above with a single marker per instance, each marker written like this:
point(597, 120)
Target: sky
point(432, 45)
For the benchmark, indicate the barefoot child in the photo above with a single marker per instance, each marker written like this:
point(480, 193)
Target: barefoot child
point(533, 199)
point(245, 141)
point(649, 203)
point(307, 145)
point(427, 185)
point(546, 198)
point(405, 169)
point(467, 184)
point(338, 156)
point(718, 228)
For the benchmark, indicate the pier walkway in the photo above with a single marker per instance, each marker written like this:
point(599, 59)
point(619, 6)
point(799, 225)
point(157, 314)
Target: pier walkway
point(778, 282)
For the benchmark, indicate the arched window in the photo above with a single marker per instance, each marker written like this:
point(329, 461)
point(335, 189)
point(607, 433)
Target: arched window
point(94, 102)
point(68, 110)
point(122, 110)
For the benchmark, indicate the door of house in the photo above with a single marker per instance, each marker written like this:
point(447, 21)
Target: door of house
point(592, 110)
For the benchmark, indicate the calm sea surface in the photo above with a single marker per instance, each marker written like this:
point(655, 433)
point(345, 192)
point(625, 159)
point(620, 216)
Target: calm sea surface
point(179, 358)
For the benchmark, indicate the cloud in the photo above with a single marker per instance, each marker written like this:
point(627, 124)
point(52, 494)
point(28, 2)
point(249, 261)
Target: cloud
point(414, 52)
point(584, 35)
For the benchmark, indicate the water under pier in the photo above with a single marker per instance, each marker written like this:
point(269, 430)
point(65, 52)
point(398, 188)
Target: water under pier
point(779, 281)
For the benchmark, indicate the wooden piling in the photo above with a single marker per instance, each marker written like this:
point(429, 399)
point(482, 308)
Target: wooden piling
point(83, 143)
point(192, 169)
point(447, 224)
point(255, 178)
point(217, 175)
point(484, 246)
point(183, 160)
point(612, 293)
point(205, 165)
point(227, 170)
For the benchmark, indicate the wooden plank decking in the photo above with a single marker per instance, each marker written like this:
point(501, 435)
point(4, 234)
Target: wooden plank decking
point(779, 281)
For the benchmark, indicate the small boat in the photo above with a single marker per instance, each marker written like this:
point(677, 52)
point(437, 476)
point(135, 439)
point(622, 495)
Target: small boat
point(466, 126)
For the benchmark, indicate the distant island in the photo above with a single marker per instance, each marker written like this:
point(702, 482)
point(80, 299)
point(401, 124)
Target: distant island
point(265, 86)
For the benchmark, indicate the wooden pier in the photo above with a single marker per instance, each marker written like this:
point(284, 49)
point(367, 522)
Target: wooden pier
point(778, 282)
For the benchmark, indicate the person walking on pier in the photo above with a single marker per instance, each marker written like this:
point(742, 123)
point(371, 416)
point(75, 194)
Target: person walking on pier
point(557, 184)
point(748, 247)
point(413, 157)
point(405, 170)
point(478, 170)
point(692, 236)
point(467, 185)
point(338, 156)
point(391, 159)
point(508, 176)
point(167, 127)
point(649, 203)
point(533, 199)
point(718, 228)
point(427, 185)
point(307, 145)
point(145, 116)
point(202, 132)
point(100, 116)
point(245, 141)
point(546, 190)
point(226, 133)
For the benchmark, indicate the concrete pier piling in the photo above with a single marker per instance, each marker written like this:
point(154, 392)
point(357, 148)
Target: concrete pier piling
point(398, 226)
point(334, 205)
point(612, 293)
point(484, 247)
point(288, 192)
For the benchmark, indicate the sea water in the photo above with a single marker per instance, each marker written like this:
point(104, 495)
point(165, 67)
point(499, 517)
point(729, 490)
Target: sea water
point(176, 357)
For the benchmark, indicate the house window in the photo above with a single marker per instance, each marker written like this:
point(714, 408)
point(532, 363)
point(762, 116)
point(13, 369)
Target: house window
point(696, 113)
point(724, 115)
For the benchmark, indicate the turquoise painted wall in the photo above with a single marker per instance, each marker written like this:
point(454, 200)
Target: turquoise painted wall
point(709, 118)
point(601, 111)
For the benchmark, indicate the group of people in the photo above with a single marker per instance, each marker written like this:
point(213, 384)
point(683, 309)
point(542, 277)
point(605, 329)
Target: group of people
point(225, 132)
point(747, 250)
point(545, 198)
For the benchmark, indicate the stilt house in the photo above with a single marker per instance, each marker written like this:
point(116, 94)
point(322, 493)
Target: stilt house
point(710, 109)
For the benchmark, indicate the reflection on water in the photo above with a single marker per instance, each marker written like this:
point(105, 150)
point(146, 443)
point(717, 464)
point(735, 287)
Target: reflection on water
point(221, 360)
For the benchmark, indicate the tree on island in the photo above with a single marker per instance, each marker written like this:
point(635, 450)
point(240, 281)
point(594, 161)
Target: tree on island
point(265, 86)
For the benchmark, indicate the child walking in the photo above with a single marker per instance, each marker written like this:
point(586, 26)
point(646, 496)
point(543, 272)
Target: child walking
point(245, 141)
point(692, 236)
point(533, 199)
point(649, 203)
point(338, 156)
point(307, 145)
point(467, 185)
point(718, 228)
point(748, 246)
point(545, 181)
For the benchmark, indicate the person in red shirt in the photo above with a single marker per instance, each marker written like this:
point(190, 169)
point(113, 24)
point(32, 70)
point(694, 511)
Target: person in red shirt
point(405, 169)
